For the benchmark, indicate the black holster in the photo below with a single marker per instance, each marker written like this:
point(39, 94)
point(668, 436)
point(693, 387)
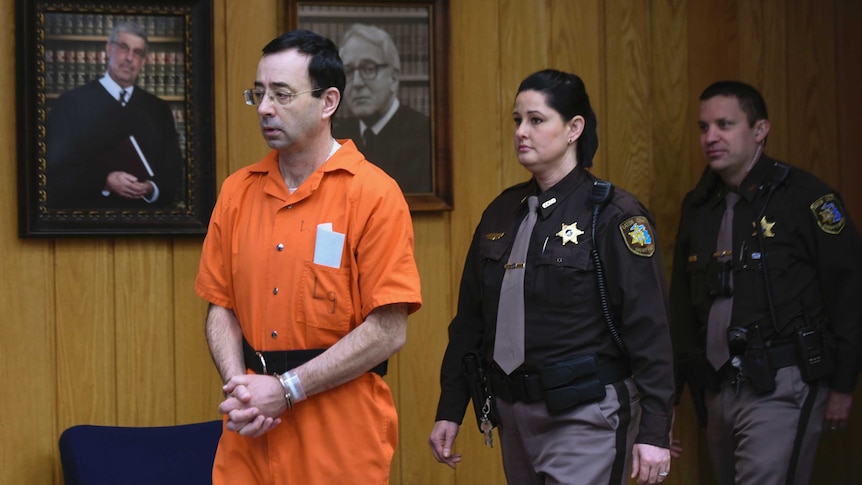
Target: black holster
point(757, 365)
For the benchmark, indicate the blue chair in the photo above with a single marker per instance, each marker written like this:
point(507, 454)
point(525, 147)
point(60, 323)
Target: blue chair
point(163, 455)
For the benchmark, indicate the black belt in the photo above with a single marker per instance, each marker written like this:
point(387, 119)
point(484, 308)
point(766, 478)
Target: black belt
point(281, 361)
point(527, 387)
point(778, 355)
point(783, 355)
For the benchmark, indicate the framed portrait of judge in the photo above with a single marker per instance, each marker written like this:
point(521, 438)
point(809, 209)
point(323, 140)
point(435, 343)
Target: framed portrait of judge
point(114, 113)
point(395, 103)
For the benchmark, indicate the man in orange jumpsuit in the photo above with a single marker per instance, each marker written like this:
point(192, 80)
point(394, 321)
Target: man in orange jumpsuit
point(308, 267)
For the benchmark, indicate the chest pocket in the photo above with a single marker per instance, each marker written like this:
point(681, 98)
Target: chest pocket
point(491, 257)
point(324, 298)
point(697, 269)
point(564, 275)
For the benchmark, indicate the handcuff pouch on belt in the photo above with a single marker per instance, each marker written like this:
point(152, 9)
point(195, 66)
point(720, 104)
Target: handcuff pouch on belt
point(570, 383)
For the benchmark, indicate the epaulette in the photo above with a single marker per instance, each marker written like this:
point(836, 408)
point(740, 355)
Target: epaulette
point(705, 187)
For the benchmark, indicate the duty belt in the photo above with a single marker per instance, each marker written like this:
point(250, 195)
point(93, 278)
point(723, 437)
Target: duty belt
point(527, 386)
point(779, 354)
point(782, 355)
point(281, 361)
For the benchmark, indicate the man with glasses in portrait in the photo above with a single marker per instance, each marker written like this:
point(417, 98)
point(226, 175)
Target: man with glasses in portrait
point(111, 144)
point(390, 134)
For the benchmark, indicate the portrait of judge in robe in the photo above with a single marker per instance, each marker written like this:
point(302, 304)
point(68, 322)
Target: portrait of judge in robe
point(390, 133)
point(110, 143)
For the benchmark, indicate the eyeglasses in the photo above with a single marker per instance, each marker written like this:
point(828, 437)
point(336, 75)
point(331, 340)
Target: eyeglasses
point(367, 71)
point(125, 49)
point(254, 97)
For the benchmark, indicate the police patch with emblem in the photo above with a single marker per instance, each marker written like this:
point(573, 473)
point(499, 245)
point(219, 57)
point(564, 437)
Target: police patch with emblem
point(637, 235)
point(829, 214)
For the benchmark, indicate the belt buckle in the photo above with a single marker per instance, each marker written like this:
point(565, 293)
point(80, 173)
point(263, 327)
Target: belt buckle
point(262, 362)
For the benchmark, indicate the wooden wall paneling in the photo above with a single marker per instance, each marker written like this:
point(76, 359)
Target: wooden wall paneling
point(28, 449)
point(575, 45)
point(477, 154)
point(812, 85)
point(86, 353)
point(252, 25)
point(763, 62)
point(627, 91)
point(198, 385)
point(837, 455)
point(848, 41)
point(226, 100)
point(671, 130)
point(419, 360)
point(145, 332)
point(197, 381)
point(524, 49)
point(27, 363)
point(848, 73)
point(713, 52)
point(477, 112)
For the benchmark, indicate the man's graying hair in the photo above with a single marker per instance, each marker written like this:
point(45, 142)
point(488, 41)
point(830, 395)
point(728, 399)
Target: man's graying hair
point(129, 28)
point(375, 36)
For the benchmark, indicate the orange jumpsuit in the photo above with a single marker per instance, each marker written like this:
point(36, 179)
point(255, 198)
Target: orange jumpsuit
point(258, 260)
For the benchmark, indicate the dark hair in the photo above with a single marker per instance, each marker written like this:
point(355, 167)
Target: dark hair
point(565, 93)
point(325, 69)
point(750, 100)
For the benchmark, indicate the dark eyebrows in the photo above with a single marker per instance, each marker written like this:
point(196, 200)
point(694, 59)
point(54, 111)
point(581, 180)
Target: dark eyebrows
point(274, 85)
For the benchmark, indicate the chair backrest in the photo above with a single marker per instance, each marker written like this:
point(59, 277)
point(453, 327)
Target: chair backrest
point(164, 455)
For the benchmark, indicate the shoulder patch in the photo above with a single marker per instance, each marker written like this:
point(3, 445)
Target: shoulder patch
point(829, 214)
point(638, 236)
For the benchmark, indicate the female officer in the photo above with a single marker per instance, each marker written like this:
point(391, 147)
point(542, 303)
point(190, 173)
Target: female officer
point(558, 351)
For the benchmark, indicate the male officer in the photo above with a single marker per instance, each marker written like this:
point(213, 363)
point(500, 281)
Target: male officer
point(764, 293)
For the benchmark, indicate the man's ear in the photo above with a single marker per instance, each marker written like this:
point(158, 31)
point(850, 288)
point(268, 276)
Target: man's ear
point(761, 129)
point(331, 99)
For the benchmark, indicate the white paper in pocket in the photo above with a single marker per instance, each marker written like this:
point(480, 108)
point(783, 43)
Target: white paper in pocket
point(328, 246)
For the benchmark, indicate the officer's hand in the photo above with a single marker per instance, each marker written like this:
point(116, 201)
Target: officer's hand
point(675, 448)
point(442, 440)
point(650, 464)
point(837, 410)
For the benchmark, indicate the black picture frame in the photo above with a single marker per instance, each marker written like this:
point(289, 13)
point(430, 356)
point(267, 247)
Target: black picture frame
point(62, 45)
point(420, 31)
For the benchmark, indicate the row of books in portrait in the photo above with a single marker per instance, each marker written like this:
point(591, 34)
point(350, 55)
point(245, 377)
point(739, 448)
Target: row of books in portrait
point(417, 97)
point(100, 25)
point(410, 38)
point(68, 65)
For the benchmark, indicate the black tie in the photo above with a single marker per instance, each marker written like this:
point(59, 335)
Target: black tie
point(123, 94)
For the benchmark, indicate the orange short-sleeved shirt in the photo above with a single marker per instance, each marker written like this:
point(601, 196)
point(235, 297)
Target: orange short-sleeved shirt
point(258, 259)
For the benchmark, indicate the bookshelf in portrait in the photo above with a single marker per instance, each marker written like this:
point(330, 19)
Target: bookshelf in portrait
point(94, 76)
